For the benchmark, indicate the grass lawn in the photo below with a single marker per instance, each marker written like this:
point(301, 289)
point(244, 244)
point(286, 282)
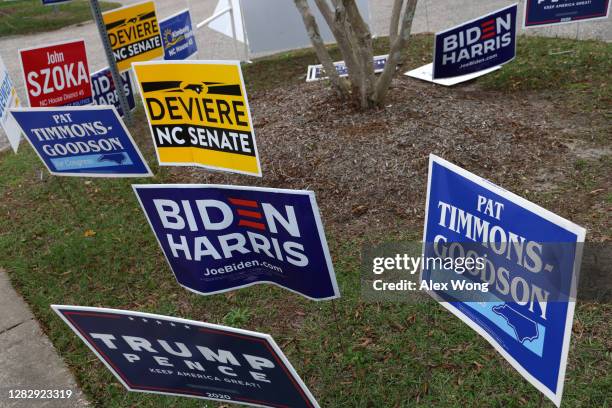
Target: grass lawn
point(18, 17)
point(86, 242)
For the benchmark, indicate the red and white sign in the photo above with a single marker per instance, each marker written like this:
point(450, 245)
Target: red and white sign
point(57, 75)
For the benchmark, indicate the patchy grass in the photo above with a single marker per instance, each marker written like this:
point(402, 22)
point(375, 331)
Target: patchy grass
point(18, 17)
point(582, 67)
point(369, 354)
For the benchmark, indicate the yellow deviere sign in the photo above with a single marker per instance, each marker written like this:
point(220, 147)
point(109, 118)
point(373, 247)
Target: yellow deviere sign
point(133, 32)
point(199, 114)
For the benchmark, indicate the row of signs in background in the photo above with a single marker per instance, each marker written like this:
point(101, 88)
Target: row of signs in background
point(198, 114)
point(58, 74)
point(218, 238)
point(483, 45)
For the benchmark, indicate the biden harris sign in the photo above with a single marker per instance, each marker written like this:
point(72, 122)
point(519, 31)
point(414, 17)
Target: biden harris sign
point(218, 238)
point(477, 45)
point(532, 260)
point(83, 141)
point(105, 92)
point(166, 355)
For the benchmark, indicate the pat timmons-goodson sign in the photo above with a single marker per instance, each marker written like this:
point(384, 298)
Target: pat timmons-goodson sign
point(167, 355)
point(532, 261)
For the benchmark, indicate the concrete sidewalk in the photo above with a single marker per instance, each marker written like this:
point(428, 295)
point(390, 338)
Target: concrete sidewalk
point(28, 360)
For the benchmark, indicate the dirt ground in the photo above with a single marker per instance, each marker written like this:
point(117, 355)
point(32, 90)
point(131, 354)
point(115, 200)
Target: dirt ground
point(369, 169)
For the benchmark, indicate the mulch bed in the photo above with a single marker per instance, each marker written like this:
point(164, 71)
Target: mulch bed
point(369, 168)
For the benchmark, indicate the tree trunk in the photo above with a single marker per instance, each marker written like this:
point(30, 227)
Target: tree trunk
point(315, 37)
point(354, 41)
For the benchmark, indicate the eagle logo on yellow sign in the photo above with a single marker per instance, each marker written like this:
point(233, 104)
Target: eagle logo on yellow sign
point(199, 114)
point(133, 32)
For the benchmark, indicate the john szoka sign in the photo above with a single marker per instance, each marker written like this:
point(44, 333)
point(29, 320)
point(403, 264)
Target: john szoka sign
point(474, 46)
point(82, 141)
point(532, 259)
point(219, 238)
point(57, 75)
point(167, 355)
point(105, 93)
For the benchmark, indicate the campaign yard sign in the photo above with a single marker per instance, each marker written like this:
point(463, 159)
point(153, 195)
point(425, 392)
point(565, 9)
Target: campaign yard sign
point(178, 36)
point(317, 73)
point(218, 238)
point(57, 75)
point(83, 141)
point(483, 43)
point(105, 93)
point(54, 2)
point(540, 13)
point(532, 259)
point(133, 32)
point(199, 114)
point(167, 355)
point(8, 100)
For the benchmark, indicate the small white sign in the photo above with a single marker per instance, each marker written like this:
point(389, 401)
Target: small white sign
point(425, 73)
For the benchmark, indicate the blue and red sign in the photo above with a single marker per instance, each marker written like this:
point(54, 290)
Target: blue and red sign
point(54, 2)
point(178, 36)
point(105, 93)
point(549, 12)
point(477, 45)
point(167, 355)
point(532, 261)
point(86, 141)
point(218, 238)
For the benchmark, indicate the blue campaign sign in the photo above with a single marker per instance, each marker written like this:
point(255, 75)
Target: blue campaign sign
point(531, 257)
point(167, 355)
point(218, 238)
point(105, 93)
point(52, 2)
point(316, 72)
point(483, 43)
point(549, 12)
point(87, 141)
point(178, 36)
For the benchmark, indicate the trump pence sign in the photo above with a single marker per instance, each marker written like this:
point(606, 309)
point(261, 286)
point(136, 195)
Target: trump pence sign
point(167, 355)
point(540, 13)
point(218, 238)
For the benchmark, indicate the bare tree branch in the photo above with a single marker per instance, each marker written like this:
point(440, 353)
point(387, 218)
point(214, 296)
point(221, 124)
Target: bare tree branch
point(339, 34)
point(361, 33)
point(315, 37)
point(395, 18)
point(396, 53)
